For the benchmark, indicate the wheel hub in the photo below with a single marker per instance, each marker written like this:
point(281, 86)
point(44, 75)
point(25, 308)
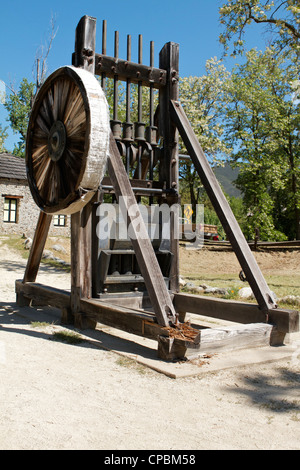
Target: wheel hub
point(57, 141)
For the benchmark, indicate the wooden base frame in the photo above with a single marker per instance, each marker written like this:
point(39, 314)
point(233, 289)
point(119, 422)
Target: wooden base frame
point(254, 325)
point(248, 330)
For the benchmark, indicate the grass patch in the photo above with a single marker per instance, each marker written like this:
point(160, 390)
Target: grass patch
point(132, 364)
point(56, 265)
point(15, 243)
point(282, 285)
point(39, 324)
point(69, 337)
point(233, 293)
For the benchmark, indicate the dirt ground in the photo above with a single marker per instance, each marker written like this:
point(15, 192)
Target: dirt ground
point(198, 262)
point(60, 396)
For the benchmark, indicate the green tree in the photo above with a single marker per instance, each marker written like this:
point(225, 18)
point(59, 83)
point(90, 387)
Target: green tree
point(281, 18)
point(18, 105)
point(19, 102)
point(262, 125)
point(3, 136)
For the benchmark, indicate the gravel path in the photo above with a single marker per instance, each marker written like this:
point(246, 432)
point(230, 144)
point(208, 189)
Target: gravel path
point(61, 396)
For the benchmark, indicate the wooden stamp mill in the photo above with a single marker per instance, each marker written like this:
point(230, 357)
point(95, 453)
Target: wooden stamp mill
point(80, 153)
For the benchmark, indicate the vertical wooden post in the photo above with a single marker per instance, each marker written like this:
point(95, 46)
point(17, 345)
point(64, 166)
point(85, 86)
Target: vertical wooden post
point(169, 61)
point(85, 41)
point(81, 223)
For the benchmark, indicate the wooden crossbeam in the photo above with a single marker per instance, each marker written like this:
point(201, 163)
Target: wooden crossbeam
point(286, 321)
point(125, 70)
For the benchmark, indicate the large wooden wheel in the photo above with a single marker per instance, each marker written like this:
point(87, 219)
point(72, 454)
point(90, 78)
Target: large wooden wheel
point(67, 141)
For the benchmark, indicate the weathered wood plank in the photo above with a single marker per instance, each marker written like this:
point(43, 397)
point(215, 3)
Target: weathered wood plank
point(127, 70)
point(126, 319)
point(75, 262)
point(43, 295)
point(286, 321)
point(232, 229)
point(215, 340)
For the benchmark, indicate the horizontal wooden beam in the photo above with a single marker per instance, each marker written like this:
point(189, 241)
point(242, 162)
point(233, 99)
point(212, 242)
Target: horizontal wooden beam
point(143, 184)
point(286, 321)
point(43, 295)
point(124, 70)
point(124, 318)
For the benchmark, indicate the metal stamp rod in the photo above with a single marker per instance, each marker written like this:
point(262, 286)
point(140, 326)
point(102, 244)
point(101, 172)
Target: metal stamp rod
point(104, 38)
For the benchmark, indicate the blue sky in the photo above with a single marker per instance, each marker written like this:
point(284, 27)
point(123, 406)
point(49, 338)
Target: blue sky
point(25, 26)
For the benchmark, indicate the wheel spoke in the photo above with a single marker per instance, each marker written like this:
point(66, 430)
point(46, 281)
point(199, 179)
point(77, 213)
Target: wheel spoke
point(77, 124)
point(51, 103)
point(44, 112)
point(65, 96)
point(56, 100)
point(72, 107)
point(42, 125)
point(41, 172)
point(65, 180)
point(73, 163)
point(47, 110)
point(38, 154)
point(54, 184)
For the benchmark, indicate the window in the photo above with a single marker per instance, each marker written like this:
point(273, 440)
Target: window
point(10, 210)
point(60, 220)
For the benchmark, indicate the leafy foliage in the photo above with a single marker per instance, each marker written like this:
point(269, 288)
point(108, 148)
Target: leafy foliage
point(18, 105)
point(262, 123)
point(282, 18)
point(3, 136)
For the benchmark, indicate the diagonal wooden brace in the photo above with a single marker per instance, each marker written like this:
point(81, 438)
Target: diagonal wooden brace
point(38, 244)
point(236, 237)
point(150, 269)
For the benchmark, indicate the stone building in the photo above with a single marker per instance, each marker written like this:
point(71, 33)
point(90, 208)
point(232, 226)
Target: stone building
point(18, 211)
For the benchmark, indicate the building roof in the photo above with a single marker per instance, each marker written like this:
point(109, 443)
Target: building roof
point(12, 167)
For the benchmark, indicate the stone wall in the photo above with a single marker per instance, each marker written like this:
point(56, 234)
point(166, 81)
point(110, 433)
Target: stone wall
point(27, 211)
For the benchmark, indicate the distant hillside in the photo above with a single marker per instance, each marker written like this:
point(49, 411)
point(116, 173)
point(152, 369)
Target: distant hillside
point(226, 176)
